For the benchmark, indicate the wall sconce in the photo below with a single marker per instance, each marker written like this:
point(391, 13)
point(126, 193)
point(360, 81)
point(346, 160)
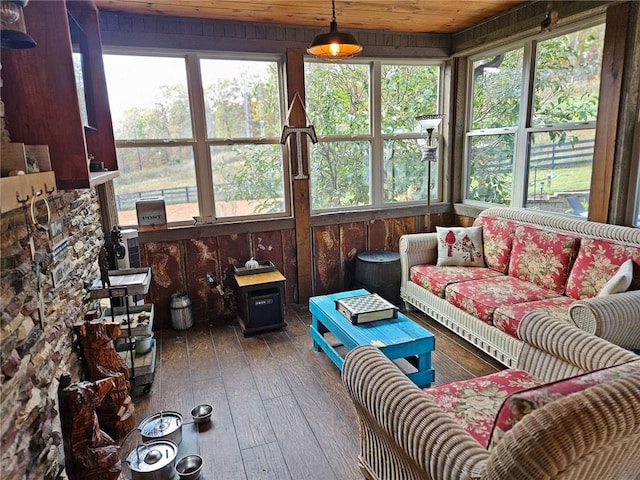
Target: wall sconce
point(429, 153)
point(334, 45)
point(12, 27)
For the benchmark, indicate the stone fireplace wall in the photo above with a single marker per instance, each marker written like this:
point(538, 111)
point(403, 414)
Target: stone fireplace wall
point(36, 351)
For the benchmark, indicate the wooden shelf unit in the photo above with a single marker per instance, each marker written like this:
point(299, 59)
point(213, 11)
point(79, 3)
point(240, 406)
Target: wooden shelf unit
point(41, 99)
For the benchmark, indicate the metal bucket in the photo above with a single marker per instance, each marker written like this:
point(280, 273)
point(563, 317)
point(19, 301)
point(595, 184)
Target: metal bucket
point(180, 306)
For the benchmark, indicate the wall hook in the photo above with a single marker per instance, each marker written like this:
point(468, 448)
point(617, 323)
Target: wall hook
point(22, 201)
point(47, 191)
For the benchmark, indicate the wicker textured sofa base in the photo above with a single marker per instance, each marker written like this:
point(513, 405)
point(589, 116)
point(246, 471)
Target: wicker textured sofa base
point(613, 317)
point(593, 434)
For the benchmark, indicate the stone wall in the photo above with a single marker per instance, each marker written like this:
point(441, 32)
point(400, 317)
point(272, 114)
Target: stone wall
point(36, 351)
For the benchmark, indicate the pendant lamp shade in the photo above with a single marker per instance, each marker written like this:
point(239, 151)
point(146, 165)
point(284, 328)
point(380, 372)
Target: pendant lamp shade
point(334, 45)
point(12, 27)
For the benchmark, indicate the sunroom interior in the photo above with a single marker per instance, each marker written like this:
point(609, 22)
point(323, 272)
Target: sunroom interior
point(539, 105)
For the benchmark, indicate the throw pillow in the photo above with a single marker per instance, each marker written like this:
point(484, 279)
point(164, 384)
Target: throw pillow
point(620, 282)
point(460, 246)
point(521, 403)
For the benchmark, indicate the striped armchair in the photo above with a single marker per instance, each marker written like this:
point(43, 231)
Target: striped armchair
point(407, 433)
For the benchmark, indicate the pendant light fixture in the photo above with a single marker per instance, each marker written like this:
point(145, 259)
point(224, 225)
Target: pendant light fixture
point(334, 45)
point(12, 27)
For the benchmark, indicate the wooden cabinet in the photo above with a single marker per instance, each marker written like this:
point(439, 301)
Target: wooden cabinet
point(41, 98)
point(260, 301)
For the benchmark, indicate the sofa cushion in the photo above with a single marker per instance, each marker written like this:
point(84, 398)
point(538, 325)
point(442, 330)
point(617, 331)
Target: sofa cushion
point(480, 298)
point(597, 261)
point(497, 239)
point(475, 403)
point(460, 246)
point(620, 282)
point(508, 317)
point(522, 402)
point(435, 279)
point(542, 257)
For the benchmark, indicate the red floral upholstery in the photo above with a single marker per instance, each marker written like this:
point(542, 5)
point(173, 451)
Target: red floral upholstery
point(597, 261)
point(508, 317)
point(542, 257)
point(522, 402)
point(435, 279)
point(481, 297)
point(474, 403)
point(497, 239)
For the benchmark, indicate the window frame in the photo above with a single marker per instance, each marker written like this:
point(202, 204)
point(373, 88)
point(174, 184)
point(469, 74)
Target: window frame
point(376, 138)
point(525, 128)
point(201, 143)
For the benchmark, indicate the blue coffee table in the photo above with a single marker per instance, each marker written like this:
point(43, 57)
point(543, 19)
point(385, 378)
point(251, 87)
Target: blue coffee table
point(401, 339)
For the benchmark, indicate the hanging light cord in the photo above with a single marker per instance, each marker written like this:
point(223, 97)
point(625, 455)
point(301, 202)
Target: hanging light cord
point(333, 10)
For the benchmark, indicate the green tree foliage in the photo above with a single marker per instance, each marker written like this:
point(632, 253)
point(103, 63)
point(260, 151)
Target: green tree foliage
point(566, 83)
point(338, 102)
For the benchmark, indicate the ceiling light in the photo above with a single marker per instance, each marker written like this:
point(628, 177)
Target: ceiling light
point(334, 45)
point(12, 27)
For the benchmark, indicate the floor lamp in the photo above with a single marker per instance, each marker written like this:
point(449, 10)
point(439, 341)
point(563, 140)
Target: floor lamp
point(429, 153)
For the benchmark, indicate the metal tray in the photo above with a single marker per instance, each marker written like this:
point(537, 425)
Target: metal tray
point(264, 266)
point(129, 281)
point(138, 328)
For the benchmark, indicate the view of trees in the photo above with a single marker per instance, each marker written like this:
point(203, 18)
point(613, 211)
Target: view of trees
point(242, 108)
point(338, 102)
point(242, 114)
point(566, 84)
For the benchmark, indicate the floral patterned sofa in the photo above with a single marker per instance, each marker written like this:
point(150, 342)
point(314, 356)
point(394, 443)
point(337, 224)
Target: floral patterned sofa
point(525, 261)
point(569, 410)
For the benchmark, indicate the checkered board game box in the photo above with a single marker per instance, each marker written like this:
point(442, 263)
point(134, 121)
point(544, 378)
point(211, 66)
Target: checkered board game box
point(366, 308)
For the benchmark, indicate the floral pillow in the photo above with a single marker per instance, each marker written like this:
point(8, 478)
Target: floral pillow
point(519, 404)
point(542, 257)
point(598, 260)
point(497, 239)
point(460, 246)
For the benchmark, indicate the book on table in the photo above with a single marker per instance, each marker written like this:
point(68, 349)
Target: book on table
point(366, 308)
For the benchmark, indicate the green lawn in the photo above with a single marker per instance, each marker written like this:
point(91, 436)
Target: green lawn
point(572, 179)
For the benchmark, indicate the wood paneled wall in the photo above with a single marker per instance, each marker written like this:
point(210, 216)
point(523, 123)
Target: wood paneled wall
point(180, 264)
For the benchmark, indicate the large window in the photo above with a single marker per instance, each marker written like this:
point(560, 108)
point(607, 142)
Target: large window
point(531, 129)
point(202, 133)
point(364, 115)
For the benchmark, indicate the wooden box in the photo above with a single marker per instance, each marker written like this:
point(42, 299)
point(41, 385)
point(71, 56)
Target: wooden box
point(152, 214)
point(26, 158)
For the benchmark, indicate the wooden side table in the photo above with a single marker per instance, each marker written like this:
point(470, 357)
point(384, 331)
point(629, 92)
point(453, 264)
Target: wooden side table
point(260, 298)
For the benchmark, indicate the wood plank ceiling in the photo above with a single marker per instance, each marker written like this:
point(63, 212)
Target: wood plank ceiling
point(418, 16)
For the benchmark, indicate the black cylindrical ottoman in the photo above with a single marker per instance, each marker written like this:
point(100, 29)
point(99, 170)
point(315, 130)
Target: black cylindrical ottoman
point(379, 272)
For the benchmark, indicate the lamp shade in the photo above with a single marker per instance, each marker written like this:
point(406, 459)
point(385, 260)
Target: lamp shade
point(12, 27)
point(334, 45)
point(430, 122)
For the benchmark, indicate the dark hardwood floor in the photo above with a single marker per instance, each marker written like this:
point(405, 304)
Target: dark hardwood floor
point(280, 411)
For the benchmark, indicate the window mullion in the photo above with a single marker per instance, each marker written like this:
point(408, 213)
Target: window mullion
point(376, 163)
point(202, 154)
point(520, 162)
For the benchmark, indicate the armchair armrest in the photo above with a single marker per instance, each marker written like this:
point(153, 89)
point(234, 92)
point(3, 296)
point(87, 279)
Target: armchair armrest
point(402, 433)
point(417, 249)
point(556, 349)
point(615, 318)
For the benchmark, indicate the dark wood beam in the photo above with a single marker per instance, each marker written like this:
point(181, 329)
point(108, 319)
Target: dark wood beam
point(607, 126)
point(300, 187)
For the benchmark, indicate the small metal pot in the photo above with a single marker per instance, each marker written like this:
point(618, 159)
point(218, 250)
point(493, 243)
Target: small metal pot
point(153, 460)
point(162, 426)
point(144, 344)
point(189, 467)
point(202, 413)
